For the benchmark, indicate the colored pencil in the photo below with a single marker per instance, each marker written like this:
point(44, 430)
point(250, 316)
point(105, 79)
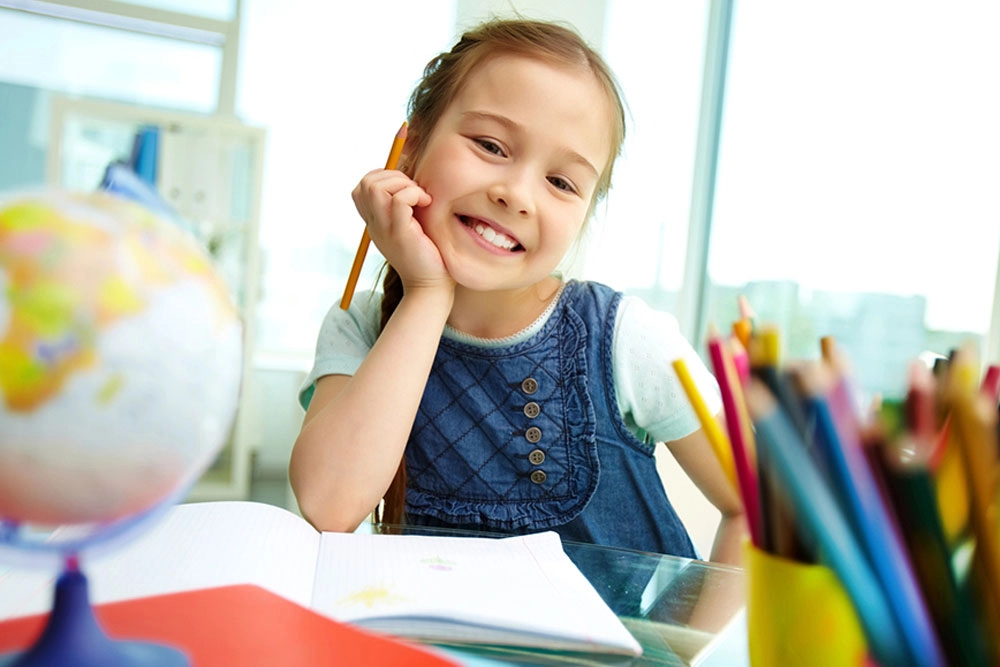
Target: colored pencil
point(776, 521)
point(823, 524)
point(952, 489)
point(359, 257)
point(921, 408)
point(991, 383)
point(777, 512)
point(829, 404)
point(713, 430)
point(904, 508)
point(743, 327)
point(973, 423)
point(991, 387)
point(827, 346)
point(765, 355)
point(742, 331)
point(911, 491)
point(741, 359)
point(740, 434)
point(946, 461)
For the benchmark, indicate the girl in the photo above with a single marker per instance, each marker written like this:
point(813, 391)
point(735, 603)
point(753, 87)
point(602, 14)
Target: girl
point(481, 390)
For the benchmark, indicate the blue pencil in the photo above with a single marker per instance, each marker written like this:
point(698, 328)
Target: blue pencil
point(876, 530)
point(825, 525)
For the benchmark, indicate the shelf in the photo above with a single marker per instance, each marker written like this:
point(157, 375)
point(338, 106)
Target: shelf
point(210, 171)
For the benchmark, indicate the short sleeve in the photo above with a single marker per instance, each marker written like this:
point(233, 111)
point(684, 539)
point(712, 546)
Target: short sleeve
point(650, 395)
point(344, 340)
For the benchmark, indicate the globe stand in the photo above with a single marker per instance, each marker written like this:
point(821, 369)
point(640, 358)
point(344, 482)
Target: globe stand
point(73, 637)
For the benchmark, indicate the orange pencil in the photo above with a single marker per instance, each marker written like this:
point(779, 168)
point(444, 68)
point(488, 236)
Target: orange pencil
point(359, 257)
point(828, 347)
point(743, 327)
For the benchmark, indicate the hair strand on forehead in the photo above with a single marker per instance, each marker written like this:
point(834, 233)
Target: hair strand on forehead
point(446, 74)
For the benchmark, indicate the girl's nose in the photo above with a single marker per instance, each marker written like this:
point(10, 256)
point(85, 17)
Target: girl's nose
point(513, 194)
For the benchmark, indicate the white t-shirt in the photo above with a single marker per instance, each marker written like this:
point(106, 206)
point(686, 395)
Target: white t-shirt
point(646, 342)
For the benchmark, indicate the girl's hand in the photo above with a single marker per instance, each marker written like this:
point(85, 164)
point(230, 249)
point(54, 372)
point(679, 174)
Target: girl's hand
point(386, 199)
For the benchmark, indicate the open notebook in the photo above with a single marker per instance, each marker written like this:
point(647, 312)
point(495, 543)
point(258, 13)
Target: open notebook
point(517, 591)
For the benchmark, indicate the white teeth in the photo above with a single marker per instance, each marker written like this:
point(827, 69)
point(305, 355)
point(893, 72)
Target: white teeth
point(491, 235)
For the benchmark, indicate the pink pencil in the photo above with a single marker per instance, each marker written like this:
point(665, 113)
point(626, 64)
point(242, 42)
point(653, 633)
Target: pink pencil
point(741, 360)
point(740, 433)
point(991, 383)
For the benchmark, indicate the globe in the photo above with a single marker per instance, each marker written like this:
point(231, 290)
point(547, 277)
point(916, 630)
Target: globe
point(120, 366)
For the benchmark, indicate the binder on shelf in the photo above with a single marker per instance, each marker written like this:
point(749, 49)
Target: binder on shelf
point(145, 147)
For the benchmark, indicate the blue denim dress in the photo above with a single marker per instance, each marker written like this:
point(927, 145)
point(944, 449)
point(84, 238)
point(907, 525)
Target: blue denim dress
point(528, 437)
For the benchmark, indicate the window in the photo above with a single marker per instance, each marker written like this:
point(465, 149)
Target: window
point(330, 82)
point(656, 50)
point(57, 55)
point(856, 193)
point(223, 10)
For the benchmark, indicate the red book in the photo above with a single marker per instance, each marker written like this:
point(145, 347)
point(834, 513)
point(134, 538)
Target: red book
point(237, 625)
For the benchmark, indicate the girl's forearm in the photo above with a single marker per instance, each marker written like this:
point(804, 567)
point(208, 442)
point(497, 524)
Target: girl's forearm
point(728, 544)
point(352, 439)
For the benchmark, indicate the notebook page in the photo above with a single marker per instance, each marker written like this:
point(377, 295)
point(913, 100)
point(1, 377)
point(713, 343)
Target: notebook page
point(194, 546)
point(523, 585)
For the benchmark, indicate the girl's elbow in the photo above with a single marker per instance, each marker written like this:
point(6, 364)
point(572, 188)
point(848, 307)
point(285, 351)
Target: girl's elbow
point(733, 512)
point(323, 519)
point(326, 514)
point(325, 500)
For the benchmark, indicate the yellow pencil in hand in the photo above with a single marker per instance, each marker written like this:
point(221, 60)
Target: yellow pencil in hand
point(359, 257)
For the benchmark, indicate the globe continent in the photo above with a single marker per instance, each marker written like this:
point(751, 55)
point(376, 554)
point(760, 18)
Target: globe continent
point(120, 358)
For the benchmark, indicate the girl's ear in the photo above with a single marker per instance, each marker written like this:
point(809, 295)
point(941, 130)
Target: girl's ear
point(407, 157)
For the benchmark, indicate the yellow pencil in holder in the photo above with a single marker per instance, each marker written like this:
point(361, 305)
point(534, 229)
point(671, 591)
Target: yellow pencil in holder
point(798, 614)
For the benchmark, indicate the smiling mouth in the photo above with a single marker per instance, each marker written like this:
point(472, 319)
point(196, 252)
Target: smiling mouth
point(490, 235)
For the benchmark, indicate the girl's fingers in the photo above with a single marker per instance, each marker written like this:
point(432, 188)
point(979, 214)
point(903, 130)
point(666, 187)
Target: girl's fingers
point(403, 202)
point(412, 195)
point(390, 181)
point(373, 196)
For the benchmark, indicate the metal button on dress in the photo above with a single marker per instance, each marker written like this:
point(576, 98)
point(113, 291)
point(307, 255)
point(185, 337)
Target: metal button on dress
point(529, 385)
point(532, 410)
point(538, 476)
point(536, 456)
point(533, 434)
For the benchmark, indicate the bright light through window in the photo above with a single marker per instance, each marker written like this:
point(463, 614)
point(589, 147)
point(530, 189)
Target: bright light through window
point(651, 191)
point(64, 56)
point(858, 174)
point(330, 82)
point(221, 10)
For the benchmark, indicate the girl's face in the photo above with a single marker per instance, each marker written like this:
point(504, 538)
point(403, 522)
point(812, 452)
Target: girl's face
point(511, 166)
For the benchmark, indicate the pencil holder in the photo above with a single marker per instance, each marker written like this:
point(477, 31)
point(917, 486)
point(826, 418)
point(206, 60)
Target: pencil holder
point(798, 614)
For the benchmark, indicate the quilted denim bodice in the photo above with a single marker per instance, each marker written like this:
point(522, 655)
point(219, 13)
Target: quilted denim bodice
point(528, 437)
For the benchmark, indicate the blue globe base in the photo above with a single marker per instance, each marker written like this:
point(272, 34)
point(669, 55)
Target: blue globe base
point(72, 636)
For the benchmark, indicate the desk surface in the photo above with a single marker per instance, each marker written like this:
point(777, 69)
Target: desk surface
point(683, 612)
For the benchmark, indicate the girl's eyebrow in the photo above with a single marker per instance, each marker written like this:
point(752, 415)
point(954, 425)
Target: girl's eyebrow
point(514, 126)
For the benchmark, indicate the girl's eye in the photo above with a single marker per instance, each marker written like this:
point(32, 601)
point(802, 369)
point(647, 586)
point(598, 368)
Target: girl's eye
point(489, 146)
point(561, 184)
